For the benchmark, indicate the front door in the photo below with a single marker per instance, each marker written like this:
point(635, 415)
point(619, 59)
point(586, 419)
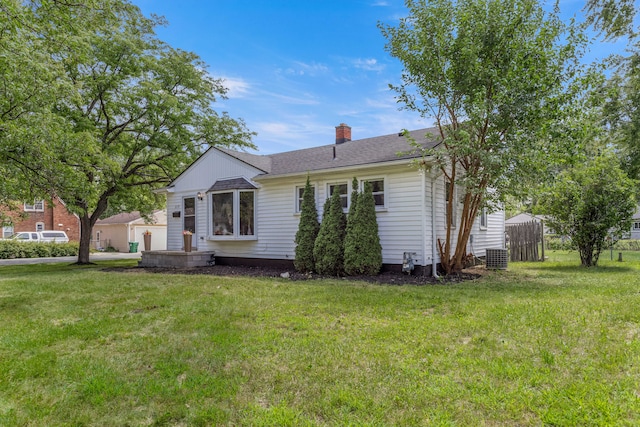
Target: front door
point(189, 215)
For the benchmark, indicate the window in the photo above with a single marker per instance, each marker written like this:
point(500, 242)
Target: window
point(233, 214)
point(189, 214)
point(7, 231)
point(39, 226)
point(454, 206)
point(636, 225)
point(377, 189)
point(342, 190)
point(483, 218)
point(300, 194)
point(37, 206)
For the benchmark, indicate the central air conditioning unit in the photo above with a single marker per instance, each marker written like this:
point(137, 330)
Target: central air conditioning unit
point(497, 259)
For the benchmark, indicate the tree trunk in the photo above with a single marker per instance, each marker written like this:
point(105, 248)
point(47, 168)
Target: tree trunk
point(85, 239)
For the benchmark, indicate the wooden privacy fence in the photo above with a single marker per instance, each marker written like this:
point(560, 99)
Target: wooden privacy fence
point(526, 242)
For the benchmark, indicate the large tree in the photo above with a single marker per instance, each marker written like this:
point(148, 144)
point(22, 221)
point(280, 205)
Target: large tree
point(620, 93)
point(493, 75)
point(133, 113)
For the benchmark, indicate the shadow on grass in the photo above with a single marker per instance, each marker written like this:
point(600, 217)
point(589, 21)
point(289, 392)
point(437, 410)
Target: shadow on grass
point(574, 268)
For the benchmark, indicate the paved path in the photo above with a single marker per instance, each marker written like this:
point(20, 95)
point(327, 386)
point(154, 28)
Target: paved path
point(96, 256)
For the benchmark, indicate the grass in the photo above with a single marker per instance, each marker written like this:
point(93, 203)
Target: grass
point(547, 343)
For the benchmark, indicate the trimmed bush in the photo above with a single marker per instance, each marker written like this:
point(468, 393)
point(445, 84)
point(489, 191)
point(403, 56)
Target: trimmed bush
point(307, 231)
point(329, 247)
point(11, 249)
point(362, 249)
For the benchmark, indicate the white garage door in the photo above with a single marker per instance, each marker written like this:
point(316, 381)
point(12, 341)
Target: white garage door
point(158, 237)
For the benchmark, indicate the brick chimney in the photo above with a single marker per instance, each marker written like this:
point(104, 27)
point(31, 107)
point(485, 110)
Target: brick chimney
point(343, 133)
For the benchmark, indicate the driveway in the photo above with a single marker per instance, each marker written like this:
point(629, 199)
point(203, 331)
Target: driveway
point(97, 256)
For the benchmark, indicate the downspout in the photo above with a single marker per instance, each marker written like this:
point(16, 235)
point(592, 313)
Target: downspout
point(424, 218)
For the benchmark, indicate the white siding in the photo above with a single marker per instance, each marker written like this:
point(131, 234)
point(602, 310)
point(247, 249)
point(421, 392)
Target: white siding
point(402, 224)
point(200, 176)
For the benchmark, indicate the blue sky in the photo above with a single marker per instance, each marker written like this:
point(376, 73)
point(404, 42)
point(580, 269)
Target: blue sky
point(295, 69)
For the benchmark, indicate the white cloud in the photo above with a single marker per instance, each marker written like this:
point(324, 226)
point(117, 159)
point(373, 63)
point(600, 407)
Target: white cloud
point(368, 64)
point(299, 68)
point(305, 99)
point(380, 3)
point(237, 87)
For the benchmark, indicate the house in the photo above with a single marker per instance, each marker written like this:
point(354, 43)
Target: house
point(246, 207)
point(40, 216)
point(118, 230)
point(523, 218)
point(635, 226)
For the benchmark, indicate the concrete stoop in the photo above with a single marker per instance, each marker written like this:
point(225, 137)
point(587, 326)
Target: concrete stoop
point(176, 259)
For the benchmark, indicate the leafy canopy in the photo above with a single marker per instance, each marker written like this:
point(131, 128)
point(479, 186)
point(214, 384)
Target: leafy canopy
point(494, 76)
point(110, 111)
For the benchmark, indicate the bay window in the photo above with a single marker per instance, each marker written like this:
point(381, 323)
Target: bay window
point(233, 214)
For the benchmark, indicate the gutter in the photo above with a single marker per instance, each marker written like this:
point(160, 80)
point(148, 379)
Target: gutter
point(325, 171)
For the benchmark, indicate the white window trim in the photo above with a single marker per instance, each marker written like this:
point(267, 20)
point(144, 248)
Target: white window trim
point(34, 207)
point(7, 231)
point(385, 193)
point(636, 225)
point(40, 223)
point(236, 216)
point(297, 206)
point(195, 213)
point(483, 213)
point(348, 194)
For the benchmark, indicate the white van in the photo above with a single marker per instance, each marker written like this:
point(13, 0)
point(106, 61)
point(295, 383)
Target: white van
point(41, 236)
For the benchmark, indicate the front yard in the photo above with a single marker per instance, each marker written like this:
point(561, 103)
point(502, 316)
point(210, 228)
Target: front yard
point(547, 343)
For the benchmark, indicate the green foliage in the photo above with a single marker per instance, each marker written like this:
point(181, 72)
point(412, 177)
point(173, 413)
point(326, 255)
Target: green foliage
point(307, 231)
point(10, 249)
point(105, 111)
point(589, 202)
point(495, 75)
point(613, 18)
point(362, 249)
point(329, 246)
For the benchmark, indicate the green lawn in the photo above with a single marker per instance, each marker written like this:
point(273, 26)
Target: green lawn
point(547, 343)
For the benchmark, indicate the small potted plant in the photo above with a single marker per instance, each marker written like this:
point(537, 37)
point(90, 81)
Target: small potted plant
point(146, 236)
point(187, 237)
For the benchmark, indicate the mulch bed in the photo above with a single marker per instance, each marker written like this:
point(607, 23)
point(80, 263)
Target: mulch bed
point(387, 278)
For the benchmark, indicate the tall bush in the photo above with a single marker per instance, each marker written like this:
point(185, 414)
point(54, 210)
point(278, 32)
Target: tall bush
point(329, 247)
point(307, 231)
point(362, 249)
point(590, 202)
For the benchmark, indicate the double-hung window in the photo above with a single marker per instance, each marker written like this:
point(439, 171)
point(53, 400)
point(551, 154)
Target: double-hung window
point(300, 195)
point(377, 189)
point(636, 226)
point(342, 189)
point(37, 206)
point(483, 218)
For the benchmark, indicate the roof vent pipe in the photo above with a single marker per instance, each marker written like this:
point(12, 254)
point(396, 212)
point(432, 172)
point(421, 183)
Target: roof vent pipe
point(343, 133)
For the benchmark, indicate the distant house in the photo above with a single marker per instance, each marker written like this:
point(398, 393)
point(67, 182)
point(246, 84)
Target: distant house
point(523, 218)
point(118, 230)
point(635, 226)
point(40, 216)
point(246, 207)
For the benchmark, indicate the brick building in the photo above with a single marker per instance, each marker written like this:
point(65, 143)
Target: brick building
point(41, 216)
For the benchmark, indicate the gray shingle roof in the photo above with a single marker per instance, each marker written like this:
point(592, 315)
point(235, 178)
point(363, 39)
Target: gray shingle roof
point(352, 153)
point(232, 184)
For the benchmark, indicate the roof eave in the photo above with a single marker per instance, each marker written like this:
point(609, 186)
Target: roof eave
point(405, 161)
